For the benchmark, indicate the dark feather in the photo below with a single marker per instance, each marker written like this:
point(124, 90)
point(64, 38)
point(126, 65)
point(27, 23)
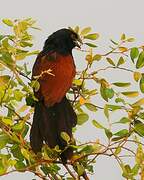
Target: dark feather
point(49, 123)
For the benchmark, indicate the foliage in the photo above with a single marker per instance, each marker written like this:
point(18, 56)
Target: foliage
point(123, 135)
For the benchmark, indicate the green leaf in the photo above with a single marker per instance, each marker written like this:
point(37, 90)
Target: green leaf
point(92, 36)
point(108, 133)
point(33, 53)
point(134, 53)
point(18, 95)
point(124, 120)
point(97, 124)
point(8, 22)
point(118, 100)
point(109, 92)
point(3, 140)
point(131, 39)
point(7, 120)
point(123, 37)
point(18, 127)
point(25, 130)
point(135, 169)
point(113, 107)
point(117, 151)
point(141, 84)
point(3, 169)
point(25, 44)
point(87, 149)
point(91, 107)
point(106, 111)
point(91, 45)
point(122, 133)
point(25, 153)
point(2, 36)
point(132, 94)
point(139, 128)
point(80, 169)
point(65, 136)
point(20, 165)
point(110, 61)
point(138, 103)
point(76, 29)
point(82, 118)
point(121, 84)
point(140, 61)
point(120, 61)
point(137, 76)
point(85, 31)
point(15, 150)
point(97, 57)
point(6, 57)
point(77, 82)
point(30, 101)
point(103, 93)
point(141, 115)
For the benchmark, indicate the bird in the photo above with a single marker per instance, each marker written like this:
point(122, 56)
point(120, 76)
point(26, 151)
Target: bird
point(54, 70)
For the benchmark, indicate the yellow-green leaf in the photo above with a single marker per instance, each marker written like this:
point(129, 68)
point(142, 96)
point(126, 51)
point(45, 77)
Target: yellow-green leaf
point(122, 133)
point(76, 29)
point(91, 45)
point(110, 61)
point(132, 94)
point(137, 76)
point(123, 37)
point(118, 150)
point(139, 128)
point(140, 61)
point(120, 61)
point(92, 36)
point(138, 103)
point(25, 153)
point(65, 136)
point(97, 124)
point(7, 121)
point(134, 53)
point(80, 169)
point(121, 84)
point(123, 49)
point(85, 31)
point(82, 118)
point(97, 57)
point(8, 22)
point(91, 107)
point(130, 39)
point(77, 82)
point(106, 111)
point(142, 84)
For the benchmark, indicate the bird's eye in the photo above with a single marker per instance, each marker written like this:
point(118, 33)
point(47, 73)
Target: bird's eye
point(74, 36)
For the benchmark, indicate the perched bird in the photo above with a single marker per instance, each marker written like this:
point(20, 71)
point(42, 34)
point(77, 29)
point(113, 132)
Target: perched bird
point(53, 113)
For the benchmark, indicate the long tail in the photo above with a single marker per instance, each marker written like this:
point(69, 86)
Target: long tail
point(49, 122)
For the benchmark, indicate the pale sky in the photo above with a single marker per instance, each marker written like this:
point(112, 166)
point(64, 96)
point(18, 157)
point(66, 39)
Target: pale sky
point(109, 18)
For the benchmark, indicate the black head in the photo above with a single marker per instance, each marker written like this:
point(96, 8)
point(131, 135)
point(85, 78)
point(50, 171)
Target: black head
point(62, 41)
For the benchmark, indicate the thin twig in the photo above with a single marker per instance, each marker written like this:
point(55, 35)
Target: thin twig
point(70, 172)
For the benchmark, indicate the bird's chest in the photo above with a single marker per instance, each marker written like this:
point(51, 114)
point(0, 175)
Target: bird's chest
point(62, 68)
